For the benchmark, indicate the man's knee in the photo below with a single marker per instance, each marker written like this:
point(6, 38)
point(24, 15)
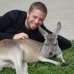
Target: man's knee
point(64, 43)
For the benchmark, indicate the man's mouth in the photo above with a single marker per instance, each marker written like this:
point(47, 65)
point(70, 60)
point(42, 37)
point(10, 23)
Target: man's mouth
point(35, 25)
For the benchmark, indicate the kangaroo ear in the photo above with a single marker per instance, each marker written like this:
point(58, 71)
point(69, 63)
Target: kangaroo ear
point(57, 29)
point(46, 42)
point(43, 32)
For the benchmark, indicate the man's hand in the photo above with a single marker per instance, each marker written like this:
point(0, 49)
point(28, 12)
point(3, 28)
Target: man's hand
point(20, 36)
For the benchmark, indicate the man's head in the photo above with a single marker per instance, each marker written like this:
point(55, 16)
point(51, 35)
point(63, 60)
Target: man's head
point(38, 5)
point(36, 15)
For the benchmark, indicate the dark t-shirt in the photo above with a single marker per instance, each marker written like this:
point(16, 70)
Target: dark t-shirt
point(12, 23)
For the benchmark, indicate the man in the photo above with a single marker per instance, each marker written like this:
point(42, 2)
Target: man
point(18, 24)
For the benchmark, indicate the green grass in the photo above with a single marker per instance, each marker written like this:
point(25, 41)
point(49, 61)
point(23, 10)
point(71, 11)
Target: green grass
point(47, 68)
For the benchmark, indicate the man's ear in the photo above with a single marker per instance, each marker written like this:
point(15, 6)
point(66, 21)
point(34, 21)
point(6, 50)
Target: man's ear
point(27, 13)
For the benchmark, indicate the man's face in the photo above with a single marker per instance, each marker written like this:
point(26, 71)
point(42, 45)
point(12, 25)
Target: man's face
point(35, 18)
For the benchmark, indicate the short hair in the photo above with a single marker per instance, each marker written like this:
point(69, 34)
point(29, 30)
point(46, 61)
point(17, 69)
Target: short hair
point(38, 5)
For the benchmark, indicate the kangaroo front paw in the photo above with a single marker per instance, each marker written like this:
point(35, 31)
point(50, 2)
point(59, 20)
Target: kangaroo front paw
point(64, 64)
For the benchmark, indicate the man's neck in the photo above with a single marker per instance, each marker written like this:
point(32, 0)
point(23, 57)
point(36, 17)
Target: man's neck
point(27, 25)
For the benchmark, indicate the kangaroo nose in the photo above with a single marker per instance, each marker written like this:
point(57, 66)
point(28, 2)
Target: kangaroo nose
point(50, 53)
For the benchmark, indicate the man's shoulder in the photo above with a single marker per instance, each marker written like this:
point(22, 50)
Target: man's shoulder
point(17, 11)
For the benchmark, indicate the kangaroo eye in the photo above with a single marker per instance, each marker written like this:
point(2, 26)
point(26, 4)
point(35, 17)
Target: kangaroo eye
point(55, 44)
point(46, 44)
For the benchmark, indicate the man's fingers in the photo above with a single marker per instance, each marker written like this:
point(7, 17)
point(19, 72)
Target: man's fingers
point(26, 36)
point(20, 36)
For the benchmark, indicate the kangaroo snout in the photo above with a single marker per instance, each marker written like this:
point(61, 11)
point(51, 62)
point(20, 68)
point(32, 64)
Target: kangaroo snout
point(50, 53)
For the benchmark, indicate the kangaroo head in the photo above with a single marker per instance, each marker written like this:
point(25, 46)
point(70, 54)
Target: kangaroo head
point(51, 39)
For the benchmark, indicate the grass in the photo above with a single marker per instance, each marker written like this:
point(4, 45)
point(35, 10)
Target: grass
point(47, 68)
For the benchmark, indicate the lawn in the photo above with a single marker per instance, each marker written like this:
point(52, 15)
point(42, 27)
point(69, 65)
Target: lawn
point(47, 68)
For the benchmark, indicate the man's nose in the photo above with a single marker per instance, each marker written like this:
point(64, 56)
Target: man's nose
point(37, 21)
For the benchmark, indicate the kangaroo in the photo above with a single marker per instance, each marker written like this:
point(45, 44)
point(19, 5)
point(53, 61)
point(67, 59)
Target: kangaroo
point(16, 53)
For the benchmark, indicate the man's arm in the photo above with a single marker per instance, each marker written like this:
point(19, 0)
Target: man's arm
point(6, 36)
point(5, 22)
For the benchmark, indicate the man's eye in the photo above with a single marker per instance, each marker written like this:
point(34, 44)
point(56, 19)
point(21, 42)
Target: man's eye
point(41, 20)
point(34, 17)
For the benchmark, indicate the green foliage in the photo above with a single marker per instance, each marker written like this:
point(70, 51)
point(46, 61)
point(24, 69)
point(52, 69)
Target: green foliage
point(47, 68)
